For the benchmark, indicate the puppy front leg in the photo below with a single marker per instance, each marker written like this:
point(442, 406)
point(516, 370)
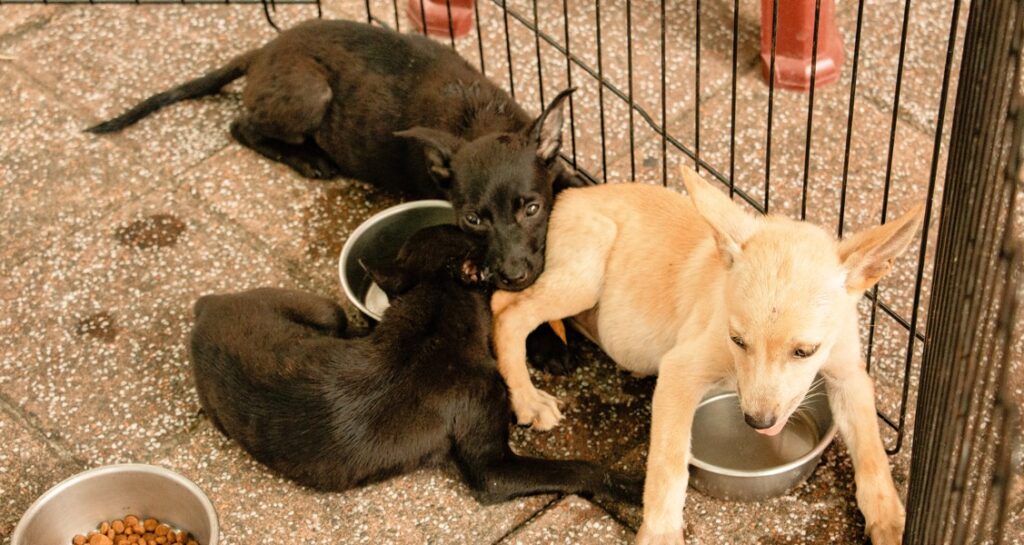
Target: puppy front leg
point(571, 283)
point(852, 397)
point(678, 392)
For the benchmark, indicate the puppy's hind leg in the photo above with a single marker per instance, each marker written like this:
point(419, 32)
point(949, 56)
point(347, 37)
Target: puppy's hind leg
point(286, 97)
point(578, 249)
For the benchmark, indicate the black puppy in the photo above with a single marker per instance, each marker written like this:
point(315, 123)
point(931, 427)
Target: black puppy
point(276, 372)
point(403, 112)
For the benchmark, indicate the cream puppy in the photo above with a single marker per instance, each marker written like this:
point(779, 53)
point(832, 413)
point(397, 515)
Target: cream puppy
point(703, 294)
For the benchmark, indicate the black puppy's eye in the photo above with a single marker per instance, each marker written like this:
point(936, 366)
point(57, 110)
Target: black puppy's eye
point(738, 341)
point(805, 351)
point(532, 209)
point(472, 218)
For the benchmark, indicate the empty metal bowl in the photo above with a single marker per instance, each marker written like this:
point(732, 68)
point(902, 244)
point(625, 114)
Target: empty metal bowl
point(80, 503)
point(377, 242)
point(732, 461)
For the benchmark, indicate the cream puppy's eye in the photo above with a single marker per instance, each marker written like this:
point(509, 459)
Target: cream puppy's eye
point(805, 351)
point(738, 341)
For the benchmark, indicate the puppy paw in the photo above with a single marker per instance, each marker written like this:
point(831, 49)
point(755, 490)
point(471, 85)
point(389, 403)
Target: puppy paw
point(648, 537)
point(886, 532)
point(536, 408)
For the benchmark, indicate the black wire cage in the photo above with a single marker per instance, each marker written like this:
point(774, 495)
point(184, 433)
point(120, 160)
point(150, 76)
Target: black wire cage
point(639, 60)
point(894, 118)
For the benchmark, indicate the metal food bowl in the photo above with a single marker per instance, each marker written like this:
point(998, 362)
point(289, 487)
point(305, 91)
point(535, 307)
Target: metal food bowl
point(80, 503)
point(377, 241)
point(732, 461)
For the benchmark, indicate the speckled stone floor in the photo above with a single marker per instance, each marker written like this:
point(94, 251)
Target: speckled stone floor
point(105, 243)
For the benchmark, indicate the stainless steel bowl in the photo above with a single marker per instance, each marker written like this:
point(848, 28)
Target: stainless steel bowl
point(730, 460)
point(78, 504)
point(377, 242)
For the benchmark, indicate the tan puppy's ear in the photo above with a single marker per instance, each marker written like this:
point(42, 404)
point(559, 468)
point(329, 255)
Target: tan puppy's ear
point(732, 226)
point(868, 256)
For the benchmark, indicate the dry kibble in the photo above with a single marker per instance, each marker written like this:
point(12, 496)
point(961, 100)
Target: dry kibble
point(131, 531)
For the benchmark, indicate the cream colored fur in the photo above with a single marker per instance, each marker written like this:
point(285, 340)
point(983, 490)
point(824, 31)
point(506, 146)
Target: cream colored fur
point(664, 283)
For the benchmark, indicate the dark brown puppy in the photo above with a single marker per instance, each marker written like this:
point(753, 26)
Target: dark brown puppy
point(403, 112)
point(276, 371)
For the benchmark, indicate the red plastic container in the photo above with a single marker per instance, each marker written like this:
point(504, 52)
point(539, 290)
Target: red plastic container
point(437, 16)
point(794, 42)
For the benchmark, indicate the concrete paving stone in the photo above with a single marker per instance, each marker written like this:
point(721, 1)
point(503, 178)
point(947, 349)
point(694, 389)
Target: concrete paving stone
point(570, 521)
point(427, 506)
point(15, 18)
point(55, 180)
point(28, 467)
point(925, 56)
point(305, 222)
point(94, 337)
point(104, 59)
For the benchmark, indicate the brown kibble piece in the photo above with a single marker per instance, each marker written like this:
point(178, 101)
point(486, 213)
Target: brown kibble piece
point(150, 525)
point(121, 541)
point(104, 527)
point(179, 537)
point(134, 538)
point(162, 530)
point(111, 533)
point(100, 539)
point(161, 540)
point(131, 520)
point(80, 540)
point(139, 529)
point(118, 526)
point(151, 541)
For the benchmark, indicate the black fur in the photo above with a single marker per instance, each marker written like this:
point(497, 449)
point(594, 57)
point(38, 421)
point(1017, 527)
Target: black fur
point(403, 112)
point(276, 371)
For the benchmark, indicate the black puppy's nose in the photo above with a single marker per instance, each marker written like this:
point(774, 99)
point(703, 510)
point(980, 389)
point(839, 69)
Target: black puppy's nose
point(515, 278)
point(759, 423)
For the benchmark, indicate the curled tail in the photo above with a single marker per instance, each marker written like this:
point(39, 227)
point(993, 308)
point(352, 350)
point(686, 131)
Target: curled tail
point(208, 84)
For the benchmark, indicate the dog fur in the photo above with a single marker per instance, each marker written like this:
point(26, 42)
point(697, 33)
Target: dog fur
point(703, 294)
point(403, 112)
point(277, 371)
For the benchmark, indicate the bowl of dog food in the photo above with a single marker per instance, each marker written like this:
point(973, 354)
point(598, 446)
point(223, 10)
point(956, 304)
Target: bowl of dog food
point(120, 505)
point(732, 461)
point(376, 242)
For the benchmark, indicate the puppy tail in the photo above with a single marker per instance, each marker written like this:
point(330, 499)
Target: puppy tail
point(208, 84)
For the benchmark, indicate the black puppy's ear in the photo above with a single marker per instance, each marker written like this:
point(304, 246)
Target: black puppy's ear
point(390, 278)
point(438, 147)
point(546, 131)
point(566, 178)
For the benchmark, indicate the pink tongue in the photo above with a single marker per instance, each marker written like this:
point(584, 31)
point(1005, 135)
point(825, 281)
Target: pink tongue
point(774, 430)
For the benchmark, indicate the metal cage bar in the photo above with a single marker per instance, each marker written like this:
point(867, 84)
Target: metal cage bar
point(960, 464)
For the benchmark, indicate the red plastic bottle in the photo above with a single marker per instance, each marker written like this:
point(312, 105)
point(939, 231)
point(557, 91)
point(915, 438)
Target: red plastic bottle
point(794, 42)
point(437, 16)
